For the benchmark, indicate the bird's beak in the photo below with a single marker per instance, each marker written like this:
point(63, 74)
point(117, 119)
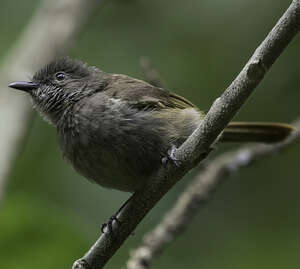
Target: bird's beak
point(23, 85)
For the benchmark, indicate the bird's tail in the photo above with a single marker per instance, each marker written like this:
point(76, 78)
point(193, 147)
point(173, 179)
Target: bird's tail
point(263, 132)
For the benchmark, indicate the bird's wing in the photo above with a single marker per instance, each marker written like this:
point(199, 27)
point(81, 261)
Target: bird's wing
point(180, 101)
point(144, 96)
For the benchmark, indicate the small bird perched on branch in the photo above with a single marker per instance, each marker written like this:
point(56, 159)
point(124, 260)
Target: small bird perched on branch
point(115, 129)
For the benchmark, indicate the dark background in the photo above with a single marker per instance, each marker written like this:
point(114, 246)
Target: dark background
point(51, 215)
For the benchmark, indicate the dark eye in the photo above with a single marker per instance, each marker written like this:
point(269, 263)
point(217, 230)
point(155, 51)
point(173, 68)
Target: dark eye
point(60, 76)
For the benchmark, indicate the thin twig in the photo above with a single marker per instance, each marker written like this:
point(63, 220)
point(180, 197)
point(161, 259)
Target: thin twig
point(197, 194)
point(150, 73)
point(49, 34)
point(198, 144)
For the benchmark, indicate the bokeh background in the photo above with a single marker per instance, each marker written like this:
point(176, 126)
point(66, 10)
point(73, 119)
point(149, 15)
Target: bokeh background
point(51, 215)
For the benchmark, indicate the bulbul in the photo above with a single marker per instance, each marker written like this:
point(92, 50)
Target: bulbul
point(115, 129)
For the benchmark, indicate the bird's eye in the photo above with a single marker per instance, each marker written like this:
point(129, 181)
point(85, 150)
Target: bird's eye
point(60, 76)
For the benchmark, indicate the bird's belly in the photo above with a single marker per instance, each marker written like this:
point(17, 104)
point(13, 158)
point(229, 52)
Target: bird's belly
point(124, 162)
point(124, 153)
point(106, 168)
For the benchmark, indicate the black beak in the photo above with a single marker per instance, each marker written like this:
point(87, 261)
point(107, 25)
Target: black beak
point(23, 86)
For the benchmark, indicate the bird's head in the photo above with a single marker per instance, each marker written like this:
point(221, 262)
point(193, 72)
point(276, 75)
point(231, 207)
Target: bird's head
point(58, 85)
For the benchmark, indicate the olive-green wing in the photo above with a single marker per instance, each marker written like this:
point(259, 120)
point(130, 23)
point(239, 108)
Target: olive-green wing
point(144, 96)
point(180, 102)
point(161, 101)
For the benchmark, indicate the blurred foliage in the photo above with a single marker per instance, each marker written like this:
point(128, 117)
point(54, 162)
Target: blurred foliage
point(51, 215)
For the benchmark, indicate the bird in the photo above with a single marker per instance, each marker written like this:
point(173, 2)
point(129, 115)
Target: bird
point(114, 129)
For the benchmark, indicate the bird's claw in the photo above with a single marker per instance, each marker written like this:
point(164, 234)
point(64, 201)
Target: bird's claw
point(171, 157)
point(108, 226)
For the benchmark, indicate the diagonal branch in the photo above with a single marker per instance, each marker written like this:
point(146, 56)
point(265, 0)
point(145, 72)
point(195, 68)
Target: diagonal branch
point(197, 194)
point(198, 144)
point(49, 34)
point(225, 107)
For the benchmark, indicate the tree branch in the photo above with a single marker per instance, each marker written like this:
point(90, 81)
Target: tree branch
point(225, 107)
point(198, 144)
point(197, 194)
point(49, 34)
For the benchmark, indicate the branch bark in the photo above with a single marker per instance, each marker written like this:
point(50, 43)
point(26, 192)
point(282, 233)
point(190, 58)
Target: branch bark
point(49, 34)
point(198, 144)
point(197, 194)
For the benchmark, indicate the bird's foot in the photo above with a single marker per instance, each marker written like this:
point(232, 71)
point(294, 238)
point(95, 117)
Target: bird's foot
point(171, 157)
point(108, 226)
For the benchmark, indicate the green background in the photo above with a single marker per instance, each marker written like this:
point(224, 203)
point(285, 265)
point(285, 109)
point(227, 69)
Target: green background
point(51, 215)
